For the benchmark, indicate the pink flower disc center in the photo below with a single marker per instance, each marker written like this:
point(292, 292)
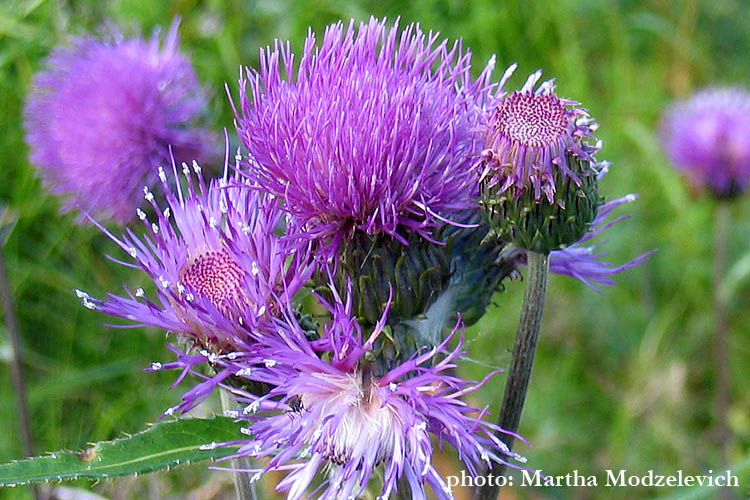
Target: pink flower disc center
point(535, 120)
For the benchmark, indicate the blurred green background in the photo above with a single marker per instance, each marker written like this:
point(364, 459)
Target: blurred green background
point(622, 380)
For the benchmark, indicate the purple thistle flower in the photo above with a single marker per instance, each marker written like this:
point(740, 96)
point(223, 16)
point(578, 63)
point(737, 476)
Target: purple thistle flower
point(102, 114)
point(219, 268)
point(530, 136)
point(374, 129)
point(329, 410)
point(707, 138)
point(584, 262)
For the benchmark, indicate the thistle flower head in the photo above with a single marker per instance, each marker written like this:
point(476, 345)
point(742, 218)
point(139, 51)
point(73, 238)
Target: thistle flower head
point(219, 268)
point(103, 113)
point(539, 184)
point(373, 130)
point(706, 138)
point(330, 411)
point(531, 136)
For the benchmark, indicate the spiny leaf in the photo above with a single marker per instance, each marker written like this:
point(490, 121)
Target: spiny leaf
point(163, 445)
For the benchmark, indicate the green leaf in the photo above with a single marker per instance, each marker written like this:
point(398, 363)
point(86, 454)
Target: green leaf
point(163, 445)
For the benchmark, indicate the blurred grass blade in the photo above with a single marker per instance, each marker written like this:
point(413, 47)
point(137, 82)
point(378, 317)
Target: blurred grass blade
point(8, 219)
point(737, 275)
point(164, 445)
point(741, 470)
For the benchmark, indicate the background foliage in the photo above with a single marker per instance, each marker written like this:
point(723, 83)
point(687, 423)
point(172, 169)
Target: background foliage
point(622, 380)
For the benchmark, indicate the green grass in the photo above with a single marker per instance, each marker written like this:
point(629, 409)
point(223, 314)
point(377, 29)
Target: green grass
point(621, 380)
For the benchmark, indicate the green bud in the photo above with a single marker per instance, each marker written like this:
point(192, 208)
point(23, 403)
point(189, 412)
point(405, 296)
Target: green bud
point(540, 226)
point(417, 273)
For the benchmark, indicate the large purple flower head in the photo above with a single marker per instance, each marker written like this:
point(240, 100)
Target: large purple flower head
point(539, 183)
point(373, 130)
point(331, 411)
point(707, 138)
point(219, 267)
point(103, 113)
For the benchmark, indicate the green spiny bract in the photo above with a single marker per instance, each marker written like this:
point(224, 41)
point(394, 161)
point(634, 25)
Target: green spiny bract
point(539, 226)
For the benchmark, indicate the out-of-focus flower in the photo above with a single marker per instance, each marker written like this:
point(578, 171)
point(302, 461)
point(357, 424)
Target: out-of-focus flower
point(103, 114)
point(707, 138)
point(331, 410)
point(374, 130)
point(219, 268)
point(539, 184)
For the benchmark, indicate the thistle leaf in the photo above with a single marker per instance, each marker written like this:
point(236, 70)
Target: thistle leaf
point(164, 445)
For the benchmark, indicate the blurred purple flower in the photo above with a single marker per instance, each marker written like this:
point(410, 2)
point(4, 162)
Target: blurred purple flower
point(531, 134)
point(330, 411)
point(219, 268)
point(707, 138)
point(103, 114)
point(373, 130)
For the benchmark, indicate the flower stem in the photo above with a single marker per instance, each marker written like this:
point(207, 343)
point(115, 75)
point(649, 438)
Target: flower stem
point(16, 365)
point(243, 486)
point(721, 325)
point(522, 361)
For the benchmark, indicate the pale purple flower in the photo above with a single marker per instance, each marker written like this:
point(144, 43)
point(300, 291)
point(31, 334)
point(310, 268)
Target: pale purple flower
point(585, 263)
point(218, 266)
point(530, 136)
point(707, 138)
point(331, 416)
point(102, 114)
point(374, 129)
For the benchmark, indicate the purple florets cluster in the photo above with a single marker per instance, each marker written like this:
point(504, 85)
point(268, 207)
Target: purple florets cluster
point(379, 131)
point(104, 113)
point(341, 415)
point(707, 138)
point(531, 134)
point(375, 129)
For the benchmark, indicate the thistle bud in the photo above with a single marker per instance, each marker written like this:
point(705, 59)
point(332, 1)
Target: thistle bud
point(539, 185)
point(481, 261)
point(379, 268)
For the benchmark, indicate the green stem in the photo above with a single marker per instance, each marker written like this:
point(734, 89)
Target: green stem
point(243, 486)
point(16, 366)
point(522, 361)
point(721, 325)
